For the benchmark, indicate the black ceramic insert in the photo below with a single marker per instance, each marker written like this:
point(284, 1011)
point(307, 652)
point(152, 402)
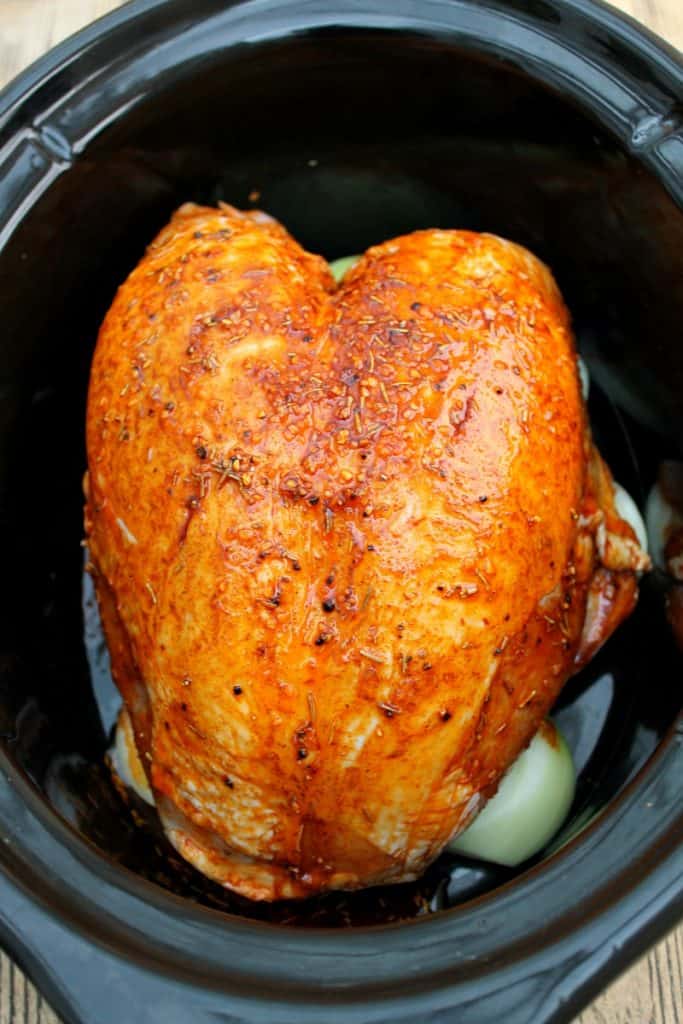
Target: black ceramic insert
point(555, 123)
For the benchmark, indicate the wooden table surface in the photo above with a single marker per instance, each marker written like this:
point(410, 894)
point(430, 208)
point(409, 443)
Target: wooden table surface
point(651, 992)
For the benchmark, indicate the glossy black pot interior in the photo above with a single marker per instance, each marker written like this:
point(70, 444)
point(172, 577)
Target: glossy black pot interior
point(550, 123)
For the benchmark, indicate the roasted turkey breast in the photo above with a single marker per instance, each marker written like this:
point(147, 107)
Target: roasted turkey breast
point(348, 541)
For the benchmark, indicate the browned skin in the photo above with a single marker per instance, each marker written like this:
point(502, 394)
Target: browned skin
point(344, 539)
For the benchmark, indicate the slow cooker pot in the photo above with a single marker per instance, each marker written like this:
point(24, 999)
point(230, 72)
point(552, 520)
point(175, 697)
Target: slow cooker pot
point(554, 122)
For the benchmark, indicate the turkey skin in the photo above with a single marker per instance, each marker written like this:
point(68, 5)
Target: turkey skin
point(348, 541)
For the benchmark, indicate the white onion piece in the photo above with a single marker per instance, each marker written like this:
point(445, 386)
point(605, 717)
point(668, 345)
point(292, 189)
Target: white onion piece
point(531, 804)
point(585, 378)
point(662, 519)
point(630, 513)
point(340, 266)
point(125, 761)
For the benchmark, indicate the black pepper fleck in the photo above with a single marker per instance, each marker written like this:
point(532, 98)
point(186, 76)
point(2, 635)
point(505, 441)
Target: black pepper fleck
point(329, 604)
point(237, 690)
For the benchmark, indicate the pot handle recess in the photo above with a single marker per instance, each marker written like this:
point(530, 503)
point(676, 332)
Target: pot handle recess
point(86, 983)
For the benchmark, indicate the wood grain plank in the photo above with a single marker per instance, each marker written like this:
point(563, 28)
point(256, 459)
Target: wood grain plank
point(652, 991)
point(665, 17)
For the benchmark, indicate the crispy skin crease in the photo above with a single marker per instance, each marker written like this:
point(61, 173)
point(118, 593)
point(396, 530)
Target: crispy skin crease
point(348, 542)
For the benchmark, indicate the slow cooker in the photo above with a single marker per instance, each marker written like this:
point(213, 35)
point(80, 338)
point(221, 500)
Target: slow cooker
point(556, 123)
